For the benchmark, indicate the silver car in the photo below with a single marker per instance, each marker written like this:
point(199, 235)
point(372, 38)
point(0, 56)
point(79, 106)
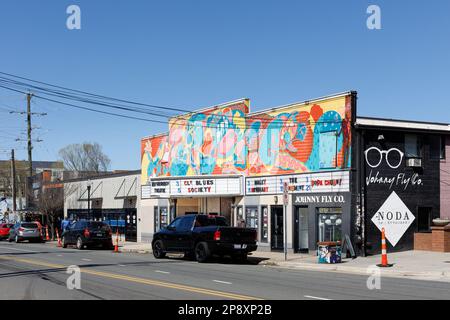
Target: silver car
point(25, 231)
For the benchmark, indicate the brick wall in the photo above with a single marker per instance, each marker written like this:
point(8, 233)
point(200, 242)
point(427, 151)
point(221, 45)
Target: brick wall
point(445, 182)
point(440, 240)
point(423, 241)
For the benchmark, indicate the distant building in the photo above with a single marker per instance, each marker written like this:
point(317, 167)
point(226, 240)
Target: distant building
point(22, 171)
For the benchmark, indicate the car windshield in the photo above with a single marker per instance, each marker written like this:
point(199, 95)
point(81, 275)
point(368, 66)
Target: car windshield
point(204, 221)
point(30, 225)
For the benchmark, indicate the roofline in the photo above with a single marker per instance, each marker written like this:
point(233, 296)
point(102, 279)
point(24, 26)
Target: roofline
point(404, 124)
point(305, 102)
point(109, 175)
point(155, 136)
point(211, 108)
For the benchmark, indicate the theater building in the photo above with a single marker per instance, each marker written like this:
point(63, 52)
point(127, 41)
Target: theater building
point(228, 161)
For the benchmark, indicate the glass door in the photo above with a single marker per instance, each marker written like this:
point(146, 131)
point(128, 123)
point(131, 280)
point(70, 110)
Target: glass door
point(301, 229)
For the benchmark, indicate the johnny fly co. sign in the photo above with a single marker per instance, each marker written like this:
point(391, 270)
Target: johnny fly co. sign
point(395, 217)
point(338, 181)
point(307, 199)
point(165, 188)
point(393, 158)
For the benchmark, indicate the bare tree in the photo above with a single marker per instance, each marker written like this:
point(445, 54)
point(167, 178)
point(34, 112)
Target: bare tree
point(50, 203)
point(85, 157)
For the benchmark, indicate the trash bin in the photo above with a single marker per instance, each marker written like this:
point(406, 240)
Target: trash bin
point(329, 252)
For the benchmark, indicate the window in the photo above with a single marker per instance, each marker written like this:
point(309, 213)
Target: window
point(175, 223)
point(186, 223)
point(413, 146)
point(424, 219)
point(328, 150)
point(436, 148)
point(264, 224)
point(251, 218)
point(330, 224)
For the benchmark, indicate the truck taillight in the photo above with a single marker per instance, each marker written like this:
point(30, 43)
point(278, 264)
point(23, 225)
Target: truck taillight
point(86, 233)
point(217, 235)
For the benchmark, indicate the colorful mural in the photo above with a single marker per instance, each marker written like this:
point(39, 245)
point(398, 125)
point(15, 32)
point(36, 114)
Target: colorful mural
point(226, 140)
point(300, 138)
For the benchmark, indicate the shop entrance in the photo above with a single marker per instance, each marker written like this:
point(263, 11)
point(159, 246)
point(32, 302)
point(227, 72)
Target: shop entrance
point(131, 226)
point(301, 230)
point(276, 219)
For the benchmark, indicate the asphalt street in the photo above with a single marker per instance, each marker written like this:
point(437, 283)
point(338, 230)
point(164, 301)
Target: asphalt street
point(38, 271)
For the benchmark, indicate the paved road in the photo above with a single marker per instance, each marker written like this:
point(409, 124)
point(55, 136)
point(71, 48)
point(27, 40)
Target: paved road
point(38, 271)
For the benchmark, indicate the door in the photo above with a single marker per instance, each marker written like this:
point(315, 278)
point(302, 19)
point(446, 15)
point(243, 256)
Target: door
point(277, 235)
point(131, 226)
point(169, 235)
point(301, 230)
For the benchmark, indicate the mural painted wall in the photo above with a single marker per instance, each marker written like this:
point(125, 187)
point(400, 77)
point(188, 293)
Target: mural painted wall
point(226, 140)
point(300, 138)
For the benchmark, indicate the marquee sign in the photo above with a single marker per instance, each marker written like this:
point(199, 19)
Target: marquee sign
point(395, 217)
point(166, 188)
point(338, 181)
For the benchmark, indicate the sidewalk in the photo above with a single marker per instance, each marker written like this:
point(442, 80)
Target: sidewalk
point(418, 265)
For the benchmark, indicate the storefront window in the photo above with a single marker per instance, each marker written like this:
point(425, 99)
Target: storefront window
point(330, 224)
point(251, 217)
point(264, 224)
point(240, 222)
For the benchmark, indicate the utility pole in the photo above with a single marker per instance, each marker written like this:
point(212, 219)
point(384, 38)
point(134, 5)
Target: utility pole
point(13, 179)
point(30, 160)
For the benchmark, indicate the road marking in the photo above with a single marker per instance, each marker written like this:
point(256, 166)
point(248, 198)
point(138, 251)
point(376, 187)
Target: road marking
point(136, 279)
point(121, 265)
point(317, 298)
point(84, 259)
point(18, 249)
point(165, 272)
point(59, 255)
point(225, 282)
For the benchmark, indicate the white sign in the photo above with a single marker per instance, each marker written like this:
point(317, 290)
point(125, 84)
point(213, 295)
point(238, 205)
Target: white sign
point(165, 188)
point(395, 217)
point(338, 181)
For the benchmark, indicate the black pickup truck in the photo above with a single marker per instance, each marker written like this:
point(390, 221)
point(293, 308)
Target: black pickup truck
point(201, 236)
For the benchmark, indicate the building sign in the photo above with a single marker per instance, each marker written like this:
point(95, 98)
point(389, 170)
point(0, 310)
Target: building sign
point(321, 199)
point(395, 217)
point(165, 188)
point(338, 181)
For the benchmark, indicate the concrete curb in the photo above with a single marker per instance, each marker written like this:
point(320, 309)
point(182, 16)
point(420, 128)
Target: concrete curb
point(428, 275)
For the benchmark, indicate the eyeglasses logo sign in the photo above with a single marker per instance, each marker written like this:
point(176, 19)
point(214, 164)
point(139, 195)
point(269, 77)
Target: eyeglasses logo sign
point(393, 157)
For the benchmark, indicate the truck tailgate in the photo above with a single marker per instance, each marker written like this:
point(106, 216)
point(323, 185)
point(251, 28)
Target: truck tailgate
point(237, 235)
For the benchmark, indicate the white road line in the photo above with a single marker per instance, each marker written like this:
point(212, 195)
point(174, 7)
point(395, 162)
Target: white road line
point(121, 265)
point(165, 272)
point(59, 255)
point(224, 282)
point(317, 298)
point(84, 259)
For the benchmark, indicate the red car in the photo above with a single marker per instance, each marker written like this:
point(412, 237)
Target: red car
point(4, 230)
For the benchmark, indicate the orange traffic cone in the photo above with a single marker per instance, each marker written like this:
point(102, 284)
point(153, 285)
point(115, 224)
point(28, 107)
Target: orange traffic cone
point(384, 259)
point(59, 239)
point(47, 236)
point(116, 246)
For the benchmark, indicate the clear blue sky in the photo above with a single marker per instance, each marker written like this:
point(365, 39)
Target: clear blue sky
point(192, 54)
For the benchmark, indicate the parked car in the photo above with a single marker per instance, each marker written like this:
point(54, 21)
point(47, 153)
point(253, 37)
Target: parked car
point(87, 234)
point(201, 236)
point(25, 231)
point(4, 230)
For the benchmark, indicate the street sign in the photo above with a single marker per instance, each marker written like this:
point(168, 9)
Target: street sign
point(395, 217)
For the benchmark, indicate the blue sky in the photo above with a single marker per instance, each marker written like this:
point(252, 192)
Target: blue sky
point(193, 54)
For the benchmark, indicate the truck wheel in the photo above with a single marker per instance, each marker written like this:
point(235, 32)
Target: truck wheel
point(158, 249)
point(80, 244)
point(202, 253)
point(64, 242)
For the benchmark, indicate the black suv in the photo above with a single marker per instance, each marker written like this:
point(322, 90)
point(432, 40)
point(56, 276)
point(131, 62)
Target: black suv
point(87, 234)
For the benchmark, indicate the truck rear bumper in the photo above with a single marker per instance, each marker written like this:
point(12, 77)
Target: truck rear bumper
point(229, 248)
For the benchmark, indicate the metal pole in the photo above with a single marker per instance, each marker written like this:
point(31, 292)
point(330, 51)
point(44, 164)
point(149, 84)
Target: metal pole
point(89, 201)
point(13, 180)
point(285, 231)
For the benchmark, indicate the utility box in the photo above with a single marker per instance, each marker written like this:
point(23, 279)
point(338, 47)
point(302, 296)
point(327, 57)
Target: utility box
point(329, 252)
